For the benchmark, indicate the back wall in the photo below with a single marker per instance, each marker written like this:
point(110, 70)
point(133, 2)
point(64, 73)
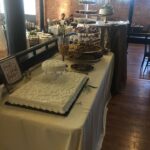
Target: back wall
point(53, 9)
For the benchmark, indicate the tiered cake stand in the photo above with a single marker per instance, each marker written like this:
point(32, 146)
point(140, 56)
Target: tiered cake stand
point(86, 11)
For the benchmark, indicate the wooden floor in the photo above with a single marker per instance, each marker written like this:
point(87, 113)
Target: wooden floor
point(128, 120)
point(3, 54)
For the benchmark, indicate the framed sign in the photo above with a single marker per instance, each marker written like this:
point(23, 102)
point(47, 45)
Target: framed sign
point(10, 70)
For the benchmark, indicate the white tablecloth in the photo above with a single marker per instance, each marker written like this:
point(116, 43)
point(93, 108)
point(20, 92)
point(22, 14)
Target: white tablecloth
point(23, 129)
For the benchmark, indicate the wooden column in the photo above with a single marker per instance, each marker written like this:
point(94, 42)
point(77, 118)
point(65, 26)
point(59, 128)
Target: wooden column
point(42, 15)
point(131, 12)
point(15, 23)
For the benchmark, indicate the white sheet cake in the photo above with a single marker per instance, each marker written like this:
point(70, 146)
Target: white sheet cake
point(52, 95)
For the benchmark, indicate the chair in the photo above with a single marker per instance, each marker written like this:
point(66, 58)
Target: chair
point(142, 38)
point(146, 57)
point(13, 69)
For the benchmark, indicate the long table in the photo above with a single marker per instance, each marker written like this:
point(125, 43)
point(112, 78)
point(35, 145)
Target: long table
point(82, 129)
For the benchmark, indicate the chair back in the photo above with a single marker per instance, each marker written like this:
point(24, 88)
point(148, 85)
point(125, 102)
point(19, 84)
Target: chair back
point(36, 54)
point(147, 47)
point(13, 68)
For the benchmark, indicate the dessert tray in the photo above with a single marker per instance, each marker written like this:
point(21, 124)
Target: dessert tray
point(82, 67)
point(92, 56)
point(46, 94)
point(87, 11)
point(85, 20)
point(87, 1)
point(86, 43)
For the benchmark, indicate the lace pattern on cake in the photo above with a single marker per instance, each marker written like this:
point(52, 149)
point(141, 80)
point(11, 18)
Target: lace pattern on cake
point(52, 95)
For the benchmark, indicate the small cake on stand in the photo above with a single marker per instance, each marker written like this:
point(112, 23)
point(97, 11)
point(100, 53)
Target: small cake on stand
point(106, 11)
point(87, 12)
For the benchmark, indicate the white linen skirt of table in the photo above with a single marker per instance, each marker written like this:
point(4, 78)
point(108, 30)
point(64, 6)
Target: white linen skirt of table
point(82, 129)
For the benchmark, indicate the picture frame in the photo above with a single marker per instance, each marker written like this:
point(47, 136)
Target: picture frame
point(10, 71)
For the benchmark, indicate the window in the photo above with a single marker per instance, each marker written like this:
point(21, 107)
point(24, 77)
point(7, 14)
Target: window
point(29, 7)
point(1, 6)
